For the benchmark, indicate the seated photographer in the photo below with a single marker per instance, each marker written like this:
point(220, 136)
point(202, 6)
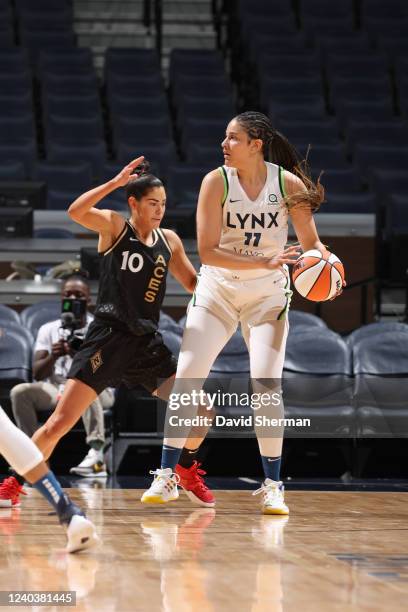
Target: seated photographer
point(55, 345)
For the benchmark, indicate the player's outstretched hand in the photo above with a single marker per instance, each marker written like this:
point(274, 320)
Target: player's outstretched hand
point(124, 175)
point(288, 256)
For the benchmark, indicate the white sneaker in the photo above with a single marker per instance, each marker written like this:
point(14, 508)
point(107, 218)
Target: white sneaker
point(92, 465)
point(81, 534)
point(163, 488)
point(273, 497)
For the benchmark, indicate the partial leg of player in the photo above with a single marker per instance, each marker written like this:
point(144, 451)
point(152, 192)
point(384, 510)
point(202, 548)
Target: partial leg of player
point(24, 456)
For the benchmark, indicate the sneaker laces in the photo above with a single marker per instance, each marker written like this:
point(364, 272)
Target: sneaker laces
point(271, 487)
point(198, 474)
point(175, 478)
point(11, 487)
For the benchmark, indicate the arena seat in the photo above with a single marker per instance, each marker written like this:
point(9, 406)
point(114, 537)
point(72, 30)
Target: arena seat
point(59, 199)
point(131, 61)
point(197, 131)
point(190, 62)
point(312, 109)
point(92, 152)
point(298, 318)
point(141, 130)
point(14, 61)
point(13, 170)
point(56, 7)
point(214, 110)
point(21, 151)
point(69, 61)
point(64, 177)
point(316, 132)
point(15, 359)
point(359, 89)
point(397, 9)
point(354, 111)
point(37, 314)
point(167, 323)
point(349, 203)
point(374, 330)
point(17, 129)
point(67, 85)
point(311, 10)
point(86, 106)
point(60, 128)
point(205, 156)
point(341, 181)
point(331, 156)
point(184, 183)
point(381, 385)
point(12, 105)
point(277, 44)
point(317, 382)
point(394, 133)
point(138, 108)
point(264, 8)
point(369, 157)
point(385, 181)
point(272, 89)
point(6, 35)
point(7, 314)
point(300, 66)
point(203, 88)
point(36, 41)
point(162, 155)
point(172, 340)
point(351, 43)
point(383, 26)
point(253, 25)
point(370, 65)
point(139, 87)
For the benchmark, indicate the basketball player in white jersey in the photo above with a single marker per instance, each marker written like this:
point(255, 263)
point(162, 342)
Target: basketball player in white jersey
point(242, 228)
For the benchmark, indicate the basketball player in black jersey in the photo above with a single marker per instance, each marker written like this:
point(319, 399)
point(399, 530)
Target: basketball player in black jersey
point(123, 344)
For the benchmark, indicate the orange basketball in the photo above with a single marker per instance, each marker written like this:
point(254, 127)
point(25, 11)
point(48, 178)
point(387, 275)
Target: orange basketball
point(317, 278)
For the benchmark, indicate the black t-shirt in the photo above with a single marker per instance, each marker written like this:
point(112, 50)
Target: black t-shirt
point(133, 282)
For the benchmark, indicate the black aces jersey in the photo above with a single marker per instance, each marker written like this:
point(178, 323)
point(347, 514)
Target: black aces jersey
point(133, 282)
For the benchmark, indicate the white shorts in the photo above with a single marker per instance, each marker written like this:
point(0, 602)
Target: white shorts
point(249, 302)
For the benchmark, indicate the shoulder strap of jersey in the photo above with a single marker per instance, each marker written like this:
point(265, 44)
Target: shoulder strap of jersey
point(282, 182)
point(223, 173)
point(164, 239)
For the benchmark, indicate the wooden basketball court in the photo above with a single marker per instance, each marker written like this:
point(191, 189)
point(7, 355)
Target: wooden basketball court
point(336, 552)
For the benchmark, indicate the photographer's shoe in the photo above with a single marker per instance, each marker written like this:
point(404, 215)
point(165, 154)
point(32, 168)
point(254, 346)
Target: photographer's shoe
point(92, 465)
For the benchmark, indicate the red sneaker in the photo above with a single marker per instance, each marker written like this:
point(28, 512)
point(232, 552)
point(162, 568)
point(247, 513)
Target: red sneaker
point(10, 490)
point(192, 482)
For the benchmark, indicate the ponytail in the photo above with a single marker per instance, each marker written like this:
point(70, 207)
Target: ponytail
point(278, 150)
point(142, 181)
point(282, 153)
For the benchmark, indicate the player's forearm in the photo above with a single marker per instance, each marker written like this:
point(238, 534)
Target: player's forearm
point(89, 199)
point(222, 258)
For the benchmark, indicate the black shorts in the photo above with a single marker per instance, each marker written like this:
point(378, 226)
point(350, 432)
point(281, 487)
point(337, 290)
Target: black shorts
point(110, 356)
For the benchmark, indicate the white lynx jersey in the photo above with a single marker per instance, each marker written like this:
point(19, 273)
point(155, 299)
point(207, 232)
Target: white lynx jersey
point(254, 227)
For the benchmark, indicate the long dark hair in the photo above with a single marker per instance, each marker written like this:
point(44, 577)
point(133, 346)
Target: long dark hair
point(142, 181)
point(277, 149)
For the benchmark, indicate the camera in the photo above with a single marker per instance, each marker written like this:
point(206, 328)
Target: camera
point(72, 316)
